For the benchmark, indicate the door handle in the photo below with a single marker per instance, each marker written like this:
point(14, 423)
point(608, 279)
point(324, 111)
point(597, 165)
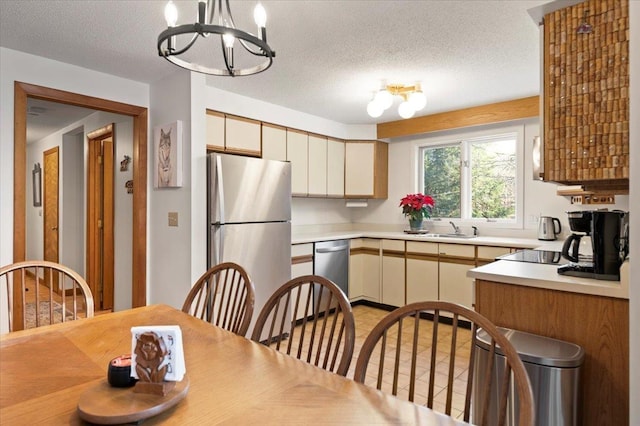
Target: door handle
point(332, 249)
point(54, 228)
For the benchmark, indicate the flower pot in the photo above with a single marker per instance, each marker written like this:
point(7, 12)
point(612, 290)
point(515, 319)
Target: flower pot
point(415, 224)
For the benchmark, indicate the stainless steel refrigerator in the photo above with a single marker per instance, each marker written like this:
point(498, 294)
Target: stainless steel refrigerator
point(249, 214)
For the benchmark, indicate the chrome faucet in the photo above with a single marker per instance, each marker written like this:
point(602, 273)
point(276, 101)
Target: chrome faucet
point(455, 228)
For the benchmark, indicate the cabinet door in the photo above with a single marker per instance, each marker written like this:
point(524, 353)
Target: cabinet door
point(359, 167)
point(422, 271)
point(335, 168)
point(242, 136)
point(317, 164)
point(274, 142)
point(366, 169)
point(393, 272)
point(371, 277)
point(455, 261)
point(297, 154)
point(215, 131)
point(301, 264)
point(356, 270)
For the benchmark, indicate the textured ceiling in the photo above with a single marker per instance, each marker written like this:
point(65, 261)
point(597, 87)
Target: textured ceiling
point(331, 55)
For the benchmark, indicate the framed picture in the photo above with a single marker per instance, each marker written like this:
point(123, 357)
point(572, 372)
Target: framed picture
point(36, 174)
point(167, 143)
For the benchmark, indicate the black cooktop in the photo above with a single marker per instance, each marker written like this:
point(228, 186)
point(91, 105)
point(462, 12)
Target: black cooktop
point(535, 256)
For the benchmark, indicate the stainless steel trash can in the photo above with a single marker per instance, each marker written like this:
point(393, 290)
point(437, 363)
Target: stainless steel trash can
point(554, 371)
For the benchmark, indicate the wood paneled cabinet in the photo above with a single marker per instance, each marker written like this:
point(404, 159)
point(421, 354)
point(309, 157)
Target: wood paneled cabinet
point(364, 269)
point(317, 166)
point(298, 155)
point(366, 169)
point(488, 254)
point(393, 272)
point(586, 95)
point(274, 142)
point(232, 134)
point(335, 168)
point(301, 264)
point(422, 271)
point(454, 262)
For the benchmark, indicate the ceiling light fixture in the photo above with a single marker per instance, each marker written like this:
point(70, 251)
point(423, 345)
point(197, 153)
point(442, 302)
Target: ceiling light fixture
point(413, 100)
point(214, 19)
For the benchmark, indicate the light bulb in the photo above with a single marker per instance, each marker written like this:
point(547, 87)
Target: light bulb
point(171, 14)
point(260, 15)
point(418, 100)
point(228, 39)
point(384, 98)
point(374, 109)
point(406, 110)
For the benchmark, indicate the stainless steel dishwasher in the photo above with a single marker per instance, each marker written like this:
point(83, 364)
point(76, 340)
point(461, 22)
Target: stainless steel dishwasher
point(331, 261)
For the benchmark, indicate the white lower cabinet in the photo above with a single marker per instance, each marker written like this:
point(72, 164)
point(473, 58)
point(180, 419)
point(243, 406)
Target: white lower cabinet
point(364, 270)
point(422, 271)
point(393, 277)
point(454, 262)
point(301, 264)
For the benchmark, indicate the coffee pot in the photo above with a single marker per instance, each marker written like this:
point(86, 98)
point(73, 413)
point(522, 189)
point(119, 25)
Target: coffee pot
point(549, 228)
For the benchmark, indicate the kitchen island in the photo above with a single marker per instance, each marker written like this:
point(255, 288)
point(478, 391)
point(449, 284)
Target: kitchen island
point(591, 313)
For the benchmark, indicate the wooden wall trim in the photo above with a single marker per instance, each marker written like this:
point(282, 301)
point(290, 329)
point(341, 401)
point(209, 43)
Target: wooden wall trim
point(306, 258)
point(473, 116)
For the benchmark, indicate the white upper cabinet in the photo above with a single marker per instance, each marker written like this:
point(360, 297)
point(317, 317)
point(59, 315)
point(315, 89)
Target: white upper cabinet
point(317, 159)
point(274, 142)
point(242, 136)
point(335, 168)
point(215, 131)
point(366, 169)
point(297, 154)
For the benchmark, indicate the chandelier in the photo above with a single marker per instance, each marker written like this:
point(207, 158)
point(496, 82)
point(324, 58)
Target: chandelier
point(412, 100)
point(214, 19)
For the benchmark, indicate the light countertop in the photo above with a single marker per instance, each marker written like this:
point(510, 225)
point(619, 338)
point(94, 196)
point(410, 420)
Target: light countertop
point(302, 238)
point(546, 276)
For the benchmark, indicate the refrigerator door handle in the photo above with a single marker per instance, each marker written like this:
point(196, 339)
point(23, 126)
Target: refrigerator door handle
point(217, 235)
point(219, 190)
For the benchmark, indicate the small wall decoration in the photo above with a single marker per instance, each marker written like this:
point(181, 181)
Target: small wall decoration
point(167, 141)
point(124, 164)
point(129, 185)
point(37, 185)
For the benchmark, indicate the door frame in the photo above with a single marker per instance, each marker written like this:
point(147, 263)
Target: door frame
point(22, 91)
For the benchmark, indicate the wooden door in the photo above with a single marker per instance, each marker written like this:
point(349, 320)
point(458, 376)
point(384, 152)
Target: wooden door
point(50, 200)
point(100, 232)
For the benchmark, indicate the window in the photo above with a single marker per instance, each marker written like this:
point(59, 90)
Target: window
point(474, 178)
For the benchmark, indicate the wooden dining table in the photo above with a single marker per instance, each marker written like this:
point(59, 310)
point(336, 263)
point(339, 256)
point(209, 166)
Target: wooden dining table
point(232, 380)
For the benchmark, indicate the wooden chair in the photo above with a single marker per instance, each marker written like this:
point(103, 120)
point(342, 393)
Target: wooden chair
point(409, 363)
point(314, 317)
point(67, 297)
point(223, 296)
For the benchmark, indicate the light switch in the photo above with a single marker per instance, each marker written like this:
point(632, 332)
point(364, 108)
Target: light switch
point(173, 218)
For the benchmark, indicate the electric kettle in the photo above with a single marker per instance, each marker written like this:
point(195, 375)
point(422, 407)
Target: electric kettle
point(549, 228)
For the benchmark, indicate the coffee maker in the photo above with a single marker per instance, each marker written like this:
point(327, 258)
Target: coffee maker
point(609, 233)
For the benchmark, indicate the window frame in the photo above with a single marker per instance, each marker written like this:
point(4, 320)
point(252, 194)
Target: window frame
point(464, 138)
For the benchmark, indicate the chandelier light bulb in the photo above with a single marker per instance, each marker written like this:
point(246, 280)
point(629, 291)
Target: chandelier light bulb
point(171, 14)
point(260, 16)
point(374, 109)
point(418, 100)
point(406, 110)
point(384, 98)
point(229, 40)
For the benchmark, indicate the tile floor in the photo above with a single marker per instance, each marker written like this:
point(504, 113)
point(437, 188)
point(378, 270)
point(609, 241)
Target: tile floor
point(367, 317)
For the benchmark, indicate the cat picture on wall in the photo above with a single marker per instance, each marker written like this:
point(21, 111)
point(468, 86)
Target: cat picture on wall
point(168, 155)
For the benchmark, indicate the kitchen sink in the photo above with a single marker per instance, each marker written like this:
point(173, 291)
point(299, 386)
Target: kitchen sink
point(452, 235)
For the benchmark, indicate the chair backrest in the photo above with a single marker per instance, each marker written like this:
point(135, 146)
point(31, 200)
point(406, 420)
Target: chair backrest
point(224, 296)
point(40, 293)
point(310, 318)
point(410, 346)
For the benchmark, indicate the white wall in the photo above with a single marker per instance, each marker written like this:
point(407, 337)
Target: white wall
point(170, 252)
point(634, 167)
point(539, 197)
point(72, 203)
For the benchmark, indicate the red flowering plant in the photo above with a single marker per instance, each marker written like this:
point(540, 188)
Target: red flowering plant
point(417, 206)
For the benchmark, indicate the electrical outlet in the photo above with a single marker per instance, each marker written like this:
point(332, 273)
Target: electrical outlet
point(173, 218)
